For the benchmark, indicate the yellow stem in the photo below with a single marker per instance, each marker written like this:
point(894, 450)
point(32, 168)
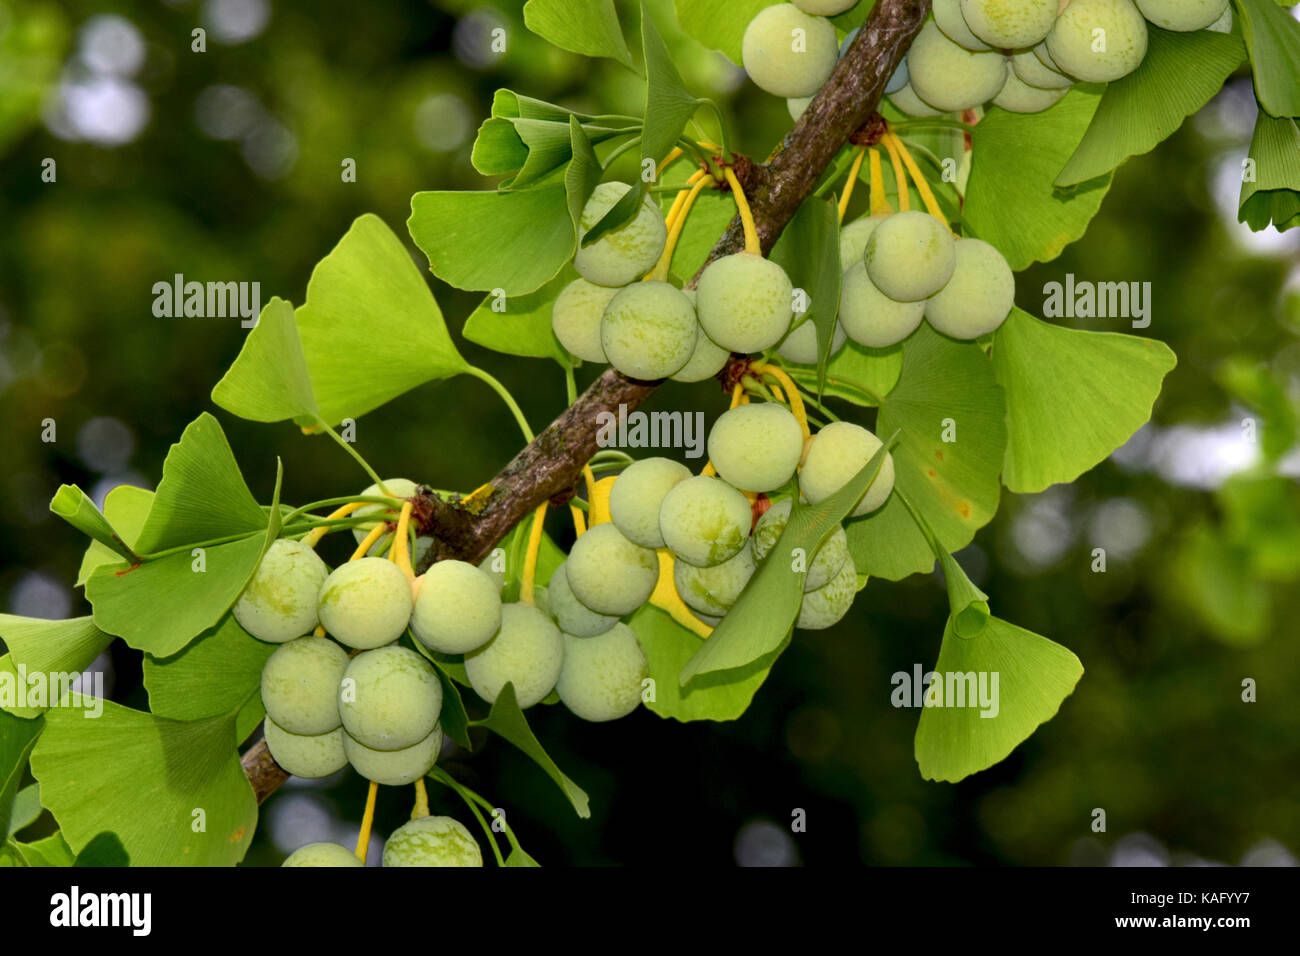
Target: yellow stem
point(368, 542)
point(401, 551)
point(660, 271)
point(879, 202)
point(666, 598)
point(852, 181)
point(320, 630)
point(477, 498)
point(791, 390)
point(313, 536)
point(922, 187)
point(579, 521)
point(367, 821)
point(904, 200)
point(589, 478)
point(674, 154)
point(421, 808)
point(752, 243)
point(530, 559)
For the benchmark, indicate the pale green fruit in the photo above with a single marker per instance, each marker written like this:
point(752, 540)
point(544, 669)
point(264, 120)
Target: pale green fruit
point(824, 8)
point(745, 302)
point(826, 560)
point(1183, 16)
point(837, 453)
point(756, 447)
point(575, 318)
point(1098, 41)
point(572, 615)
point(601, 677)
point(310, 757)
point(366, 603)
point(910, 256)
point(706, 361)
point(1019, 97)
point(635, 499)
point(787, 52)
point(909, 104)
point(279, 603)
point(457, 609)
point(397, 488)
point(1032, 71)
point(714, 590)
point(704, 521)
point(828, 604)
point(948, 18)
point(393, 768)
point(489, 567)
point(648, 330)
point(624, 254)
point(979, 296)
point(609, 573)
point(801, 346)
point(300, 685)
point(390, 698)
point(1010, 24)
point(872, 318)
point(854, 238)
point(1044, 56)
point(797, 106)
point(1224, 23)
point(527, 652)
point(322, 854)
point(432, 841)
point(949, 77)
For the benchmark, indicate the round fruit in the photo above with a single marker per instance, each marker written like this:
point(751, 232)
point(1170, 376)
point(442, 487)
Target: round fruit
point(787, 52)
point(704, 521)
point(1098, 41)
point(872, 318)
point(826, 561)
point(948, 18)
point(837, 453)
point(635, 499)
point(396, 488)
point(527, 652)
point(648, 330)
point(279, 603)
point(624, 254)
point(979, 296)
point(910, 256)
point(1010, 24)
point(366, 603)
point(1224, 23)
point(706, 361)
point(300, 685)
point(390, 698)
point(745, 302)
point(322, 854)
point(949, 77)
point(898, 79)
point(393, 768)
point(304, 756)
point(756, 447)
point(575, 318)
point(801, 345)
point(457, 609)
point(609, 573)
point(909, 104)
point(824, 8)
point(797, 105)
point(854, 238)
point(570, 614)
point(1033, 71)
point(601, 677)
point(1019, 97)
point(432, 841)
point(1183, 16)
point(713, 590)
point(829, 603)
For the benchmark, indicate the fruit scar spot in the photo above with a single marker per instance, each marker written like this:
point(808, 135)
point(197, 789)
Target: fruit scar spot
point(237, 835)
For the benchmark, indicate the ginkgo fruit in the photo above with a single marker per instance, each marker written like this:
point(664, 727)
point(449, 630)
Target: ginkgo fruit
point(648, 330)
point(948, 76)
point(787, 52)
point(756, 447)
point(624, 254)
point(704, 521)
point(575, 318)
point(829, 603)
point(322, 854)
point(366, 603)
point(635, 498)
point(300, 685)
point(526, 652)
point(706, 361)
point(457, 608)
point(854, 238)
point(1183, 16)
point(801, 346)
point(400, 488)
point(1034, 72)
point(393, 768)
point(307, 756)
point(825, 562)
point(1010, 24)
point(1098, 41)
point(824, 8)
point(948, 18)
point(714, 590)
point(910, 256)
point(908, 103)
point(979, 296)
point(432, 841)
point(609, 573)
point(390, 698)
point(872, 318)
point(602, 676)
point(1018, 96)
point(279, 603)
point(570, 614)
point(744, 302)
point(835, 455)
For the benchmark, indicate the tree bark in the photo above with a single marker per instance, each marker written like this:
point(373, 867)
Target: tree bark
point(551, 465)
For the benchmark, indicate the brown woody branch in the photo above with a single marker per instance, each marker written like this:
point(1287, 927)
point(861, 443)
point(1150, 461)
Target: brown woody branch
point(551, 465)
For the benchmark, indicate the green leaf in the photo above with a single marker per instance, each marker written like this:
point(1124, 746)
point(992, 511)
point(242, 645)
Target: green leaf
point(1011, 201)
point(668, 104)
point(519, 857)
point(172, 791)
point(269, 380)
point(126, 507)
point(25, 809)
point(370, 327)
point(17, 737)
point(219, 674)
point(757, 628)
point(1072, 397)
point(1272, 194)
point(50, 851)
point(719, 24)
point(104, 850)
point(1265, 390)
point(1034, 676)
point(508, 721)
point(1180, 74)
point(619, 214)
point(51, 648)
point(75, 507)
point(946, 390)
point(856, 374)
point(589, 27)
point(1217, 581)
point(529, 139)
point(668, 646)
point(1273, 38)
point(524, 327)
point(808, 250)
point(1262, 518)
point(583, 172)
